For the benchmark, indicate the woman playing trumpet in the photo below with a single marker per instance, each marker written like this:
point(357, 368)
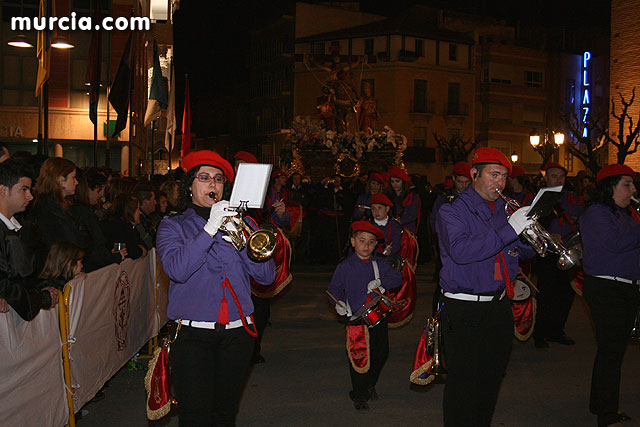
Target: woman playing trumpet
point(611, 240)
point(209, 294)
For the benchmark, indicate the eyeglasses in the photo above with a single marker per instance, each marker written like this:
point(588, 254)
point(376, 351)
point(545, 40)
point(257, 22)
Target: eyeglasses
point(218, 178)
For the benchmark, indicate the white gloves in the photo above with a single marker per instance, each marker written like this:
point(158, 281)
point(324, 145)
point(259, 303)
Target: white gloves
point(343, 309)
point(375, 284)
point(519, 220)
point(218, 212)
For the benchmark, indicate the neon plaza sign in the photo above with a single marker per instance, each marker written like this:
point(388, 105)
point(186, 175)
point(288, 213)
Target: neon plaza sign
point(586, 92)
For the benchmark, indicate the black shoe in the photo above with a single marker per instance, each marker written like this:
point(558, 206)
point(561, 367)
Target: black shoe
point(373, 393)
point(623, 417)
point(613, 419)
point(562, 339)
point(541, 343)
point(257, 359)
point(361, 405)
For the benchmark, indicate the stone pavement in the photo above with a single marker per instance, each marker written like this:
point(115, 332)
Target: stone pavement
point(305, 380)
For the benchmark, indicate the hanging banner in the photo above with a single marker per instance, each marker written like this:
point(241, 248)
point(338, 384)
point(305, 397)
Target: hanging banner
point(112, 314)
point(32, 387)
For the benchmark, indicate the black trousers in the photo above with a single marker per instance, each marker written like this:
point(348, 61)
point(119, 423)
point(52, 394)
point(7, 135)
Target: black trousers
point(614, 306)
point(554, 300)
point(261, 314)
point(378, 352)
point(477, 342)
point(208, 370)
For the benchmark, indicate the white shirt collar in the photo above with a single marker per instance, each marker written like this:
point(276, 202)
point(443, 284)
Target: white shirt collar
point(382, 222)
point(12, 224)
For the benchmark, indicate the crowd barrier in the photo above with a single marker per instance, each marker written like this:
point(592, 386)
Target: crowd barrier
point(51, 366)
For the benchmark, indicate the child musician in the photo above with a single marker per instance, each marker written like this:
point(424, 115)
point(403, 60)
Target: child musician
point(392, 230)
point(353, 284)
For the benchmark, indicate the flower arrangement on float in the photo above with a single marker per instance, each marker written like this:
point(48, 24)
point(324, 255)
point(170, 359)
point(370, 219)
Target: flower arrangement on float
point(310, 144)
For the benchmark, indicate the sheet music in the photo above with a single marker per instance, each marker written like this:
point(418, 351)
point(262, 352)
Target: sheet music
point(250, 186)
point(541, 204)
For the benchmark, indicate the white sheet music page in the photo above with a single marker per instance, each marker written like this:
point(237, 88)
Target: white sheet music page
point(250, 186)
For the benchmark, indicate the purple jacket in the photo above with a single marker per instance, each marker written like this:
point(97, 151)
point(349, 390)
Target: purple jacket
point(198, 264)
point(573, 207)
point(392, 234)
point(272, 197)
point(363, 200)
point(440, 200)
point(353, 275)
point(611, 242)
point(470, 237)
point(408, 210)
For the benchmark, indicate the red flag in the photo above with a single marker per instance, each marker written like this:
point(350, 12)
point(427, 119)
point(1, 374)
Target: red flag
point(186, 125)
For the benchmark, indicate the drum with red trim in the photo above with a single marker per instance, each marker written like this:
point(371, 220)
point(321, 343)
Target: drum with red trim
point(373, 312)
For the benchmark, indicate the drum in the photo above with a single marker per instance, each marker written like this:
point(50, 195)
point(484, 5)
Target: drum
point(373, 312)
point(521, 291)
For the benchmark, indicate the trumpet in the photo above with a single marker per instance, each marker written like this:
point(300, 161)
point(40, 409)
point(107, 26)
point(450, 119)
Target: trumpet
point(261, 243)
point(540, 239)
point(364, 207)
point(635, 204)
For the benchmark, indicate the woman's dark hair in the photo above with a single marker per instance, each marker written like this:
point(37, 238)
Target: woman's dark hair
point(603, 193)
point(184, 191)
point(124, 207)
point(82, 190)
point(47, 184)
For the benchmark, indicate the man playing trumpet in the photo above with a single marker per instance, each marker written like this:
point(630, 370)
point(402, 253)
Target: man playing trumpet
point(479, 249)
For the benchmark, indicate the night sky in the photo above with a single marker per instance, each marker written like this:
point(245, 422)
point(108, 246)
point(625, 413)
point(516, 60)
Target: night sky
point(212, 40)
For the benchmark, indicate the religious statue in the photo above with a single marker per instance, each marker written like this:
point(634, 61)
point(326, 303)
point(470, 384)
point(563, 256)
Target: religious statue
point(339, 86)
point(367, 109)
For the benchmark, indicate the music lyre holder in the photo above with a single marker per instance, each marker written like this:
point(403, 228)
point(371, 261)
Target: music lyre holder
point(243, 207)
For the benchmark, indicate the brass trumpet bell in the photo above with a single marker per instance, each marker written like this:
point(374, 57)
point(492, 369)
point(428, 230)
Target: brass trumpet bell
point(261, 245)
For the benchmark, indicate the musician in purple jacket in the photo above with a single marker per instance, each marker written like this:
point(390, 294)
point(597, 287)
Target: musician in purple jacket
point(352, 284)
point(407, 202)
point(479, 248)
point(380, 207)
point(556, 294)
point(209, 294)
point(611, 247)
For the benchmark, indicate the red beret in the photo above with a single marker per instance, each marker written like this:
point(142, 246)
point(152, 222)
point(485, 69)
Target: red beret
point(278, 174)
point(462, 169)
point(448, 183)
point(368, 227)
point(516, 171)
point(613, 170)
point(490, 155)
point(550, 165)
point(399, 173)
point(380, 199)
point(246, 156)
point(375, 176)
point(385, 175)
point(207, 157)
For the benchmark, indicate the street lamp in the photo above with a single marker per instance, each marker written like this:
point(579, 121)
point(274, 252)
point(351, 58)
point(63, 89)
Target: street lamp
point(61, 43)
point(547, 143)
point(20, 41)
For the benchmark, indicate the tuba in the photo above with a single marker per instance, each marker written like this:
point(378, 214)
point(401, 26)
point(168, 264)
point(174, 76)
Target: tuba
point(540, 239)
point(261, 243)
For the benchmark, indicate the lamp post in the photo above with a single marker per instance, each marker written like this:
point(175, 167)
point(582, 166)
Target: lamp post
point(547, 143)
